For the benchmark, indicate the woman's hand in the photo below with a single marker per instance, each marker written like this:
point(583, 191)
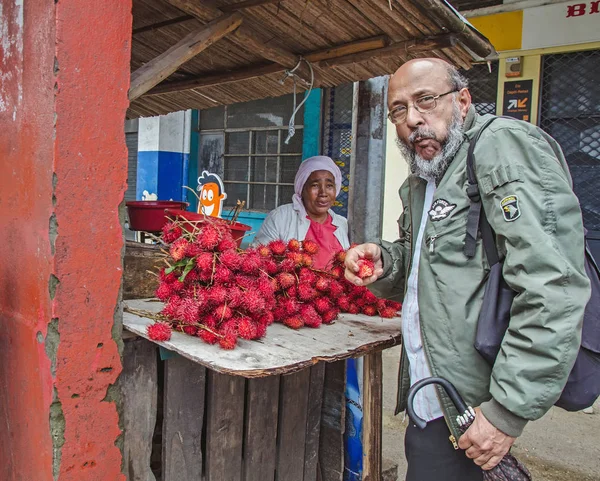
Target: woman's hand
point(363, 251)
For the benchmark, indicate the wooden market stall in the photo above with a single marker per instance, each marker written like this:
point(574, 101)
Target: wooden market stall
point(255, 413)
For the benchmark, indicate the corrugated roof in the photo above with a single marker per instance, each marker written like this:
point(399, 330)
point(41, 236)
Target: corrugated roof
point(380, 36)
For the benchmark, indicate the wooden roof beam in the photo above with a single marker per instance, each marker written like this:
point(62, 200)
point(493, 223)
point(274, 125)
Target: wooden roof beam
point(352, 52)
point(246, 37)
point(470, 38)
point(159, 68)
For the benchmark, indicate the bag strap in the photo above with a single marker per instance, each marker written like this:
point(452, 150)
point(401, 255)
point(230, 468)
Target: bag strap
point(476, 219)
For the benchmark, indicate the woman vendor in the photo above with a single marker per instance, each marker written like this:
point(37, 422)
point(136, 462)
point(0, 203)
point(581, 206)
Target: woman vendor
point(309, 216)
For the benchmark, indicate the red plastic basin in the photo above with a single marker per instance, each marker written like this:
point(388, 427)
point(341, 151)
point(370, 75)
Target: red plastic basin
point(149, 215)
point(238, 230)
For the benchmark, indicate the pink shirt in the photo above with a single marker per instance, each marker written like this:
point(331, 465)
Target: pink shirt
point(322, 235)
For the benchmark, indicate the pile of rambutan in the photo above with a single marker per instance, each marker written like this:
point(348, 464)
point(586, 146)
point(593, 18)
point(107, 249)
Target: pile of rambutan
point(219, 293)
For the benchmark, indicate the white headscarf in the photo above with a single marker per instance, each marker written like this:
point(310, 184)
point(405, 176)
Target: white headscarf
point(310, 165)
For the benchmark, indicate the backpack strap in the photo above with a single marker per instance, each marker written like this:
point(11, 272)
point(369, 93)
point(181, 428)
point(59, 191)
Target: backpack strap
point(476, 219)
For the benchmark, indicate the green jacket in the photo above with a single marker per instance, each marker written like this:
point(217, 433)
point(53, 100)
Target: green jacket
point(528, 199)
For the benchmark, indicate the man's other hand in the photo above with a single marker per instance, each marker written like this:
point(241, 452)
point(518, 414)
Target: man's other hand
point(363, 251)
point(484, 443)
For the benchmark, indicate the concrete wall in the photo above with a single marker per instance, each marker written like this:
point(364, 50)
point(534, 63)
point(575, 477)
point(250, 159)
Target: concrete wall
point(63, 96)
point(396, 171)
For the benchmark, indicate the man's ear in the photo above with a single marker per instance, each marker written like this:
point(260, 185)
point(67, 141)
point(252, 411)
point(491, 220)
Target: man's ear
point(464, 101)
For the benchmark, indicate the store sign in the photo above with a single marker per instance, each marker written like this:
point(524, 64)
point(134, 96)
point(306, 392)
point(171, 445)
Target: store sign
point(517, 99)
point(561, 24)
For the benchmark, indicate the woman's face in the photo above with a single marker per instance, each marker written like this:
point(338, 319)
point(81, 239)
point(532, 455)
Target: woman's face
point(318, 194)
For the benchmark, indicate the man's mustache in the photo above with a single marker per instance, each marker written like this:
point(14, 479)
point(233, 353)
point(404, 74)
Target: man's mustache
point(421, 134)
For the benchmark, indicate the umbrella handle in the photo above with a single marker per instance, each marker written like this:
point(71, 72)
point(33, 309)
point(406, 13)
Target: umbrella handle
point(448, 387)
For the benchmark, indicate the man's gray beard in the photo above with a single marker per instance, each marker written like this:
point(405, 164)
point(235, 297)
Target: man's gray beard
point(436, 167)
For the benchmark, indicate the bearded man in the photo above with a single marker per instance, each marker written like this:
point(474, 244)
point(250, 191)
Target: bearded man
point(527, 197)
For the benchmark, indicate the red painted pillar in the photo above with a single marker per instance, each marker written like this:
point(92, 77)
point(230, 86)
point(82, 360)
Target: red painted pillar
point(63, 166)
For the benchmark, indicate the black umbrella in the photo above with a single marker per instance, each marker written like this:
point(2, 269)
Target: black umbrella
point(508, 469)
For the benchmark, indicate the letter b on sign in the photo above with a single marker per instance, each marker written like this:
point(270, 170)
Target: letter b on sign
point(576, 10)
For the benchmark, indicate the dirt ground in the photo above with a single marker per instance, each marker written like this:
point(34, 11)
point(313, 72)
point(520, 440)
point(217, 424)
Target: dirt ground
point(561, 446)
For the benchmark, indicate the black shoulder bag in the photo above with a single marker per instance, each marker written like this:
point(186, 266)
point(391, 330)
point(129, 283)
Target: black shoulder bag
point(583, 385)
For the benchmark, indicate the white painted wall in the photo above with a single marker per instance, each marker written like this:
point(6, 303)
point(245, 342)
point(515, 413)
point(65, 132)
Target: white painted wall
point(396, 172)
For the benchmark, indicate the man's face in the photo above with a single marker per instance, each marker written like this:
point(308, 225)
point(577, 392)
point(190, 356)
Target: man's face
point(424, 136)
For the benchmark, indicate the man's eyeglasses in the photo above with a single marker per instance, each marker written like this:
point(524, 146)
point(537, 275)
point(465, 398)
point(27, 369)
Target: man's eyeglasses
point(423, 105)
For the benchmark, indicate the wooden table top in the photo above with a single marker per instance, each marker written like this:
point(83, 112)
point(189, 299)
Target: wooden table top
point(282, 350)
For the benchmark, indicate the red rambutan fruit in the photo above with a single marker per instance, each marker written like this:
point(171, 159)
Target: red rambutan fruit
point(266, 318)
point(278, 247)
point(164, 291)
point(171, 232)
point(322, 284)
point(222, 274)
point(204, 261)
point(337, 272)
point(286, 280)
point(187, 311)
point(265, 286)
point(310, 317)
point(279, 314)
point(223, 312)
point(294, 322)
point(246, 328)
point(343, 303)
point(322, 305)
point(306, 292)
point(307, 260)
point(209, 321)
point(353, 309)
point(394, 305)
point(296, 257)
point(230, 326)
point(330, 316)
point(369, 297)
point(366, 268)
point(290, 306)
point(227, 243)
point(307, 276)
point(287, 265)
point(336, 289)
point(217, 295)
point(381, 304)
point(178, 249)
point(190, 330)
point(228, 341)
point(340, 256)
point(270, 267)
point(263, 251)
point(231, 259)
point(388, 312)
point(207, 336)
point(245, 282)
point(310, 247)
point(193, 249)
point(251, 263)
point(292, 292)
point(369, 310)
point(171, 307)
point(159, 331)
point(261, 330)
point(253, 301)
point(209, 237)
point(235, 297)
point(294, 245)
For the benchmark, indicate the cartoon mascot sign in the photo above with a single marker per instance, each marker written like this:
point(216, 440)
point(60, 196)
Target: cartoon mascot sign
point(211, 195)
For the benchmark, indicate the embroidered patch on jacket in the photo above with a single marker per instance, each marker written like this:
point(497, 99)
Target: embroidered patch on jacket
point(440, 209)
point(510, 208)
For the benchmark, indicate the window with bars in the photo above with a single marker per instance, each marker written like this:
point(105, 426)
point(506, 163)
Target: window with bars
point(570, 112)
point(245, 144)
point(483, 85)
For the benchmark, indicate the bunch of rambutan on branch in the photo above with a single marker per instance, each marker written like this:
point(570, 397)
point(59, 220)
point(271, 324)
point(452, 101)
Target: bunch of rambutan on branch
point(219, 293)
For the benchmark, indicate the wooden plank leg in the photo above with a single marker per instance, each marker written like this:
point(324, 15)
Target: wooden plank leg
point(293, 412)
point(313, 421)
point(224, 427)
point(333, 423)
point(183, 416)
point(260, 437)
point(372, 420)
point(139, 387)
